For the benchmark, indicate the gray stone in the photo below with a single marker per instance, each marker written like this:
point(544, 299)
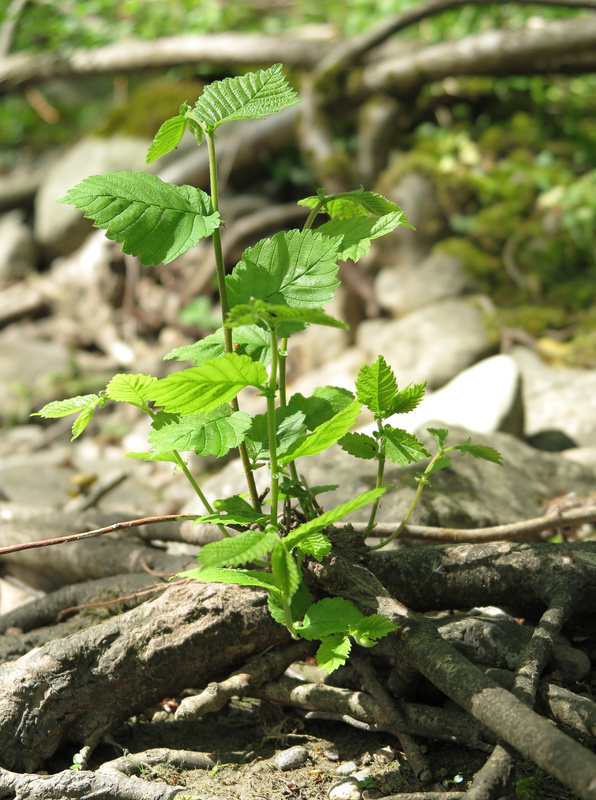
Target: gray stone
point(432, 344)
point(18, 252)
point(347, 768)
point(558, 398)
point(61, 228)
point(402, 288)
point(468, 493)
point(484, 398)
point(346, 789)
point(292, 758)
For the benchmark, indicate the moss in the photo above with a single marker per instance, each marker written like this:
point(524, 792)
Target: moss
point(148, 106)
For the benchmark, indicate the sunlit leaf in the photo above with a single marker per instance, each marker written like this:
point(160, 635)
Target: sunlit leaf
point(248, 340)
point(480, 451)
point(357, 203)
point(402, 447)
point(356, 234)
point(251, 96)
point(168, 136)
point(376, 387)
point(284, 569)
point(333, 653)
point(329, 615)
point(246, 546)
point(324, 435)
point(153, 220)
point(369, 630)
point(214, 433)
point(201, 389)
point(297, 268)
point(359, 445)
point(128, 388)
point(240, 577)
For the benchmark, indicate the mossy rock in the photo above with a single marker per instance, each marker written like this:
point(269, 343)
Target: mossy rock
point(148, 106)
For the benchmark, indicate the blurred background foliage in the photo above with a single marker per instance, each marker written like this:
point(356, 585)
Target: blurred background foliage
point(513, 159)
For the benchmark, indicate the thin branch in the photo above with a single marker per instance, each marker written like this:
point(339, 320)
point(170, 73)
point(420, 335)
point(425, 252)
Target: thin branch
point(515, 530)
point(77, 537)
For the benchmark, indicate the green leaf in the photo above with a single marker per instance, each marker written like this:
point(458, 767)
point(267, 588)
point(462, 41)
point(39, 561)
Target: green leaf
point(285, 570)
point(402, 447)
point(246, 546)
point(131, 389)
point(355, 235)
point(440, 434)
point(330, 615)
point(324, 403)
point(83, 405)
point(480, 451)
point(316, 545)
point(241, 577)
point(407, 399)
point(357, 203)
point(153, 220)
point(324, 435)
point(201, 389)
point(440, 463)
point(301, 600)
point(376, 387)
point(214, 433)
point(251, 96)
point(333, 653)
point(370, 629)
point(297, 268)
point(233, 510)
point(359, 444)
point(167, 457)
point(274, 316)
point(168, 136)
point(299, 534)
point(289, 427)
point(248, 340)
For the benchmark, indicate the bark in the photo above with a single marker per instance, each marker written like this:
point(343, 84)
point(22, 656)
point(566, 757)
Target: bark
point(20, 70)
point(77, 689)
point(563, 46)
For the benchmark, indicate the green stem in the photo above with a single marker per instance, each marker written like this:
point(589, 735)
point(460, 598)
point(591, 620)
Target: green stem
point(421, 484)
point(271, 429)
point(190, 478)
point(223, 297)
point(380, 472)
point(311, 217)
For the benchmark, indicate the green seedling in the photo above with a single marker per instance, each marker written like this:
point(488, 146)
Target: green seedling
point(280, 286)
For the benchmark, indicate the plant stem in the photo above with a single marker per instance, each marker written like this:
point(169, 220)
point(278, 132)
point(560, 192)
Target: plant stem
point(311, 217)
point(271, 429)
point(380, 473)
point(223, 297)
point(421, 484)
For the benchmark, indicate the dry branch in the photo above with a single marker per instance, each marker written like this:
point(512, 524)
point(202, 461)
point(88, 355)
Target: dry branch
point(562, 46)
point(20, 70)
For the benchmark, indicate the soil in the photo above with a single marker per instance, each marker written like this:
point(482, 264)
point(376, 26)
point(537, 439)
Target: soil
point(244, 740)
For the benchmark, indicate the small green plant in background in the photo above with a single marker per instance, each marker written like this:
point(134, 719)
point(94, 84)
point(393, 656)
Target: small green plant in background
point(279, 287)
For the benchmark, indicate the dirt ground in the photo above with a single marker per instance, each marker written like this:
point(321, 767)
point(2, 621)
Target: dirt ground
point(244, 739)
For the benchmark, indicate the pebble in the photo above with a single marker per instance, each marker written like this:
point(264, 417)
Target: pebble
point(347, 768)
point(292, 758)
point(331, 754)
point(385, 754)
point(347, 789)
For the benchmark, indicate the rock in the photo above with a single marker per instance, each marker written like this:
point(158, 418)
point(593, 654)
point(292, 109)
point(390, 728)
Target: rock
point(558, 398)
point(417, 196)
point(292, 758)
point(18, 252)
point(486, 397)
point(347, 789)
point(347, 768)
point(402, 288)
point(469, 493)
point(432, 344)
point(59, 228)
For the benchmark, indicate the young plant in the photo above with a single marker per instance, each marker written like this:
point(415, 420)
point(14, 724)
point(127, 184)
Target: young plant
point(279, 287)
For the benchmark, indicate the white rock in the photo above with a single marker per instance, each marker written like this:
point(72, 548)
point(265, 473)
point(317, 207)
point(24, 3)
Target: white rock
point(347, 768)
point(432, 344)
point(347, 789)
point(558, 398)
point(401, 288)
point(483, 398)
point(18, 254)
